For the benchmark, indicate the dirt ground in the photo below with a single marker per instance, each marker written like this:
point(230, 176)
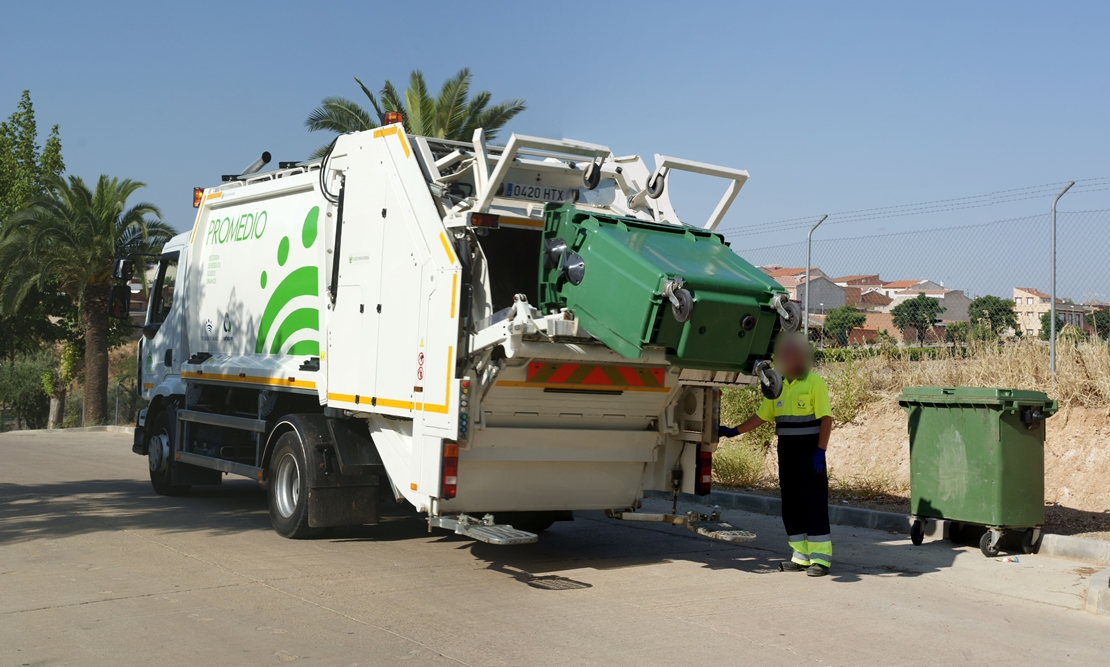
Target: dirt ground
point(873, 453)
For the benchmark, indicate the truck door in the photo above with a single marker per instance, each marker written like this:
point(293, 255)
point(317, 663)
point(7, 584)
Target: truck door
point(163, 325)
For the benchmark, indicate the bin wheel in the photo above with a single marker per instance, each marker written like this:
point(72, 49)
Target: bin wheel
point(772, 389)
point(794, 321)
point(655, 188)
point(591, 177)
point(985, 545)
point(1027, 544)
point(917, 532)
point(685, 307)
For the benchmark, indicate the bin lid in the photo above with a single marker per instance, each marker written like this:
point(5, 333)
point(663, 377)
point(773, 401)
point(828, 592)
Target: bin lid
point(972, 396)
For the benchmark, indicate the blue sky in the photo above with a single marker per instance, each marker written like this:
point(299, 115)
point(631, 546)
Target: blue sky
point(830, 106)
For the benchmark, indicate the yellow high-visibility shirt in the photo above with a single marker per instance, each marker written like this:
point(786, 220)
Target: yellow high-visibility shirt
point(798, 410)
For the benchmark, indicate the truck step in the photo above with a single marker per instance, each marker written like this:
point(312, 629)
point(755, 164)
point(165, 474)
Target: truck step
point(483, 530)
point(499, 534)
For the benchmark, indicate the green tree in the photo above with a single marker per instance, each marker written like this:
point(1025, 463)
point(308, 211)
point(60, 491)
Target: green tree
point(993, 314)
point(956, 332)
point(453, 114)
point(72, 235)
point(24, 167)
point(24, 170)
point(1046, 321)
point(22, 391)
point(839, 322)
point(919, 313)
point(1099, 319)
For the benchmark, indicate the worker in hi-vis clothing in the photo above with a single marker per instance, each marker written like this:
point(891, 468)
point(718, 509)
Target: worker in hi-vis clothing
point(803, 423)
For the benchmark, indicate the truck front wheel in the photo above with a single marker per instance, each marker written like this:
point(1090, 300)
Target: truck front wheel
point(160, 449)
point(287, 485)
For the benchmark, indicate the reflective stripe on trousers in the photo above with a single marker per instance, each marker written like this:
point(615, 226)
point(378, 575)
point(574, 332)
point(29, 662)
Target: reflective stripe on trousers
point(820, 550)
point(801, 549)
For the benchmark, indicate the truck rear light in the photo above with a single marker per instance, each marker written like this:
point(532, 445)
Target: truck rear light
point(487, 220)
point(450, 469)
point(198, 195)
point(703, 483)
point(392, 117)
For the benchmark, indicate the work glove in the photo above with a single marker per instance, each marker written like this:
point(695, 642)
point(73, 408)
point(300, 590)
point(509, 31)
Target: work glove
point(819, 462)
point(727, 431)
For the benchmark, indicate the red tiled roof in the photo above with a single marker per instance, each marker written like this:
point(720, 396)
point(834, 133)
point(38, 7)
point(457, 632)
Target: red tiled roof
point(1034, 292)
point(857, 278)
point(901, 284)
point(915, 292)
point(874, 297)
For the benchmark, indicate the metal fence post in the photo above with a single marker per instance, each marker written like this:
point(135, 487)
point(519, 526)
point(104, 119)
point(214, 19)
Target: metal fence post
point(1052, 296)
point(809, 245)
point(118, 383)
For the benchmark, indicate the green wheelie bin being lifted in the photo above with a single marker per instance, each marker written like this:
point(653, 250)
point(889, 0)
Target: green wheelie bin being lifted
point(977, 457)
point(633, 283)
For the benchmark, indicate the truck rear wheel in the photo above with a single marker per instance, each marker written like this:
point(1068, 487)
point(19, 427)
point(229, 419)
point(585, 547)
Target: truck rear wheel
point(287, 486)
point(160, 450)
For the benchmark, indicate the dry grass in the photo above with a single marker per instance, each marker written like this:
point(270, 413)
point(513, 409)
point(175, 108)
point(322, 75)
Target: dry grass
point(1082, 371)
point(849, 390)
point(872, 483)
point(740, 464)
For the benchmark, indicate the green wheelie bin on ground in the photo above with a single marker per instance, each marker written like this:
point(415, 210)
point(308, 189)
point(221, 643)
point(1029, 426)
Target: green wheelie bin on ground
point(977, 457)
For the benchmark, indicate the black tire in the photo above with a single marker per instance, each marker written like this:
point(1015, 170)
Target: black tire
point(985, 545)
point(774, 389)
point(655, 188)
point(1028, 546)
point(287, 488)
point(917, 532)
point(685, 307)
point(794, 320)
point(160, 453)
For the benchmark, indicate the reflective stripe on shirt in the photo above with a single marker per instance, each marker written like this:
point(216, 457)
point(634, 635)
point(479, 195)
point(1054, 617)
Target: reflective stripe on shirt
point(797, 425)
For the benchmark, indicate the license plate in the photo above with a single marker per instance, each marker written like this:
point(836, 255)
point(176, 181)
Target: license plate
point(538, 192)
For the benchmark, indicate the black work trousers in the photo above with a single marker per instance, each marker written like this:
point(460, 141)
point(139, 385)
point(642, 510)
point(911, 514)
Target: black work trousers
point(805, 500)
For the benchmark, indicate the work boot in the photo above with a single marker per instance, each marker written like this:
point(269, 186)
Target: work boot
point(817, 570)
point(791, 566)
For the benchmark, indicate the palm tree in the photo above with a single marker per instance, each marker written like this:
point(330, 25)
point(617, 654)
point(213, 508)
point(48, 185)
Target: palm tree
point(450, 115)
point(71, 236)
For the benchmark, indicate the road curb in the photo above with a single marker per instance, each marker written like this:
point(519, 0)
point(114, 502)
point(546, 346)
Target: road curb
point(1096, 552)
point(1098, 593)
point(79, 429)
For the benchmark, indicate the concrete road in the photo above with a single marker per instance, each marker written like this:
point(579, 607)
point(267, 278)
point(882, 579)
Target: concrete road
point(97, 570)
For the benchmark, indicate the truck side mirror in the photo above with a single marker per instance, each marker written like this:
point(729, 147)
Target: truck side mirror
point(123, 269)
point(119, 302)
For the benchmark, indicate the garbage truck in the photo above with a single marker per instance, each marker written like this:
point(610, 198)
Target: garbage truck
point(496, 336)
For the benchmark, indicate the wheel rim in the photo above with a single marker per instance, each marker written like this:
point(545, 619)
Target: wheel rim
point(158, 452)
point(288, 483)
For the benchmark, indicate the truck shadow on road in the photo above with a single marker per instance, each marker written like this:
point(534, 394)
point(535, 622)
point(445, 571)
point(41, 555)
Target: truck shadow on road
point(57, 510)
point(61, 509)
point(596, 543)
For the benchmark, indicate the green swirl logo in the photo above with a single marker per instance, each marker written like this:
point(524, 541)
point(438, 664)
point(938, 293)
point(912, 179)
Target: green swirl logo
point(303, 281)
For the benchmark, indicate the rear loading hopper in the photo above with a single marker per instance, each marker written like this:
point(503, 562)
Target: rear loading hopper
point(633, 283)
